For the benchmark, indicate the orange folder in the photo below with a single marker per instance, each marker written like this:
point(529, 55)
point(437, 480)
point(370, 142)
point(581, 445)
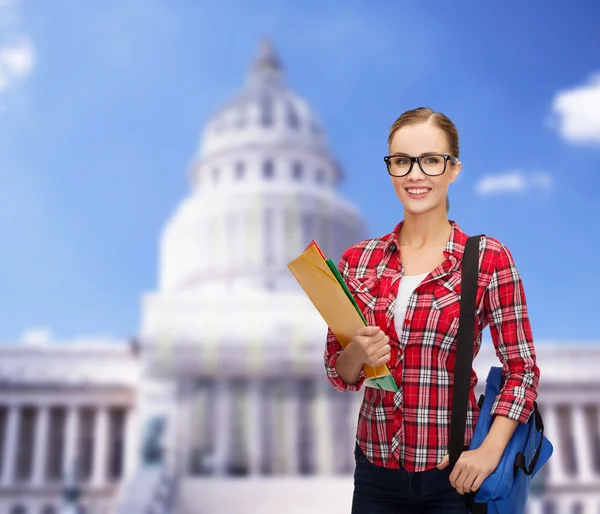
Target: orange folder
point(328, 296)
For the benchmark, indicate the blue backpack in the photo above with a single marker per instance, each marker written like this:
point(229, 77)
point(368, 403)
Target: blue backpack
point(505, 490)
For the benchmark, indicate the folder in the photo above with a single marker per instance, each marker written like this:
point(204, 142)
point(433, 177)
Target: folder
point(323, 284)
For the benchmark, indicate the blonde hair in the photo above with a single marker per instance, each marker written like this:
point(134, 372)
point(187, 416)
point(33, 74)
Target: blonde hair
point(427, 115)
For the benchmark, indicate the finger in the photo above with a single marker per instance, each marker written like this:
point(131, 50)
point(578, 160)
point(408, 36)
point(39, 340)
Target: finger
point(384, 350)
point(478, 481)
point(382, 360)
point(381, 335)
point(455, 476)
point(367, 331)
point(468, 482)
point(383, 355)
point(373, 330)
point(444, 463)
point(382, 341)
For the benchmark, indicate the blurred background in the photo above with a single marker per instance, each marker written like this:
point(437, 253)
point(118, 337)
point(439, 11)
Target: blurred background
point(162, 162)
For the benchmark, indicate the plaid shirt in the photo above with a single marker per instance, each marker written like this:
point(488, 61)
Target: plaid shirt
point(411, 428)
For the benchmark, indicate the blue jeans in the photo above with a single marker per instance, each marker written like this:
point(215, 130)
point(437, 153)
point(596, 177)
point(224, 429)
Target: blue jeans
point(379, 490)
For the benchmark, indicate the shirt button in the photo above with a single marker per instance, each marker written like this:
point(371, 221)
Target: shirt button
point(407, 322)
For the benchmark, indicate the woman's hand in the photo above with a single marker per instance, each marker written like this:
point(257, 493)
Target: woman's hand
point(472, 468)
point(371, 346)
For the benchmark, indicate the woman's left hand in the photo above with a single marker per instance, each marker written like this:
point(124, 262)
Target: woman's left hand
point(472, 468)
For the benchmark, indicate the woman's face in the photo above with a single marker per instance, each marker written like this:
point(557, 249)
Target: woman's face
point(416, 140)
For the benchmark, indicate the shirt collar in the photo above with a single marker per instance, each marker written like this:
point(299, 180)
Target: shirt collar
point(454, 248)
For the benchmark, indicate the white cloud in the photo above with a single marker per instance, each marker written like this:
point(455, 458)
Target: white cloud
point(513, 182)
point(17, 52)
point(576, 112)
point(16, 63)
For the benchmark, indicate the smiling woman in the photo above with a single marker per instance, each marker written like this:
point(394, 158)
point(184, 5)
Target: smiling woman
point(433, 162)
point(408, 286)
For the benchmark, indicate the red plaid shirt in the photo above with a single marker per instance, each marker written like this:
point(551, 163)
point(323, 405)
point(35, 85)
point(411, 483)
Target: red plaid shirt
point(411, 428)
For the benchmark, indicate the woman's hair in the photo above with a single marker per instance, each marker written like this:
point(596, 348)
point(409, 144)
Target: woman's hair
point(427, 115)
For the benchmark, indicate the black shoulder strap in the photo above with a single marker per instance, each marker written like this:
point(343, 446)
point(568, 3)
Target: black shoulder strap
point(464, 348)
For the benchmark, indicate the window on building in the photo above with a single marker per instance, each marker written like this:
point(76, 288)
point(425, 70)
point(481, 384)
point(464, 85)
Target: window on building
point(49, 509)
point(18, 509)
point(268, 235)
point(215, 174)
point(152, 441)
point(116, 446)
point(240, 169)
point(320, 176)
point(54, 462)
point(268, 169)
point(26, 443)
point(297, 171)
point(85, 450)
point(266, 111)
point(292, 118)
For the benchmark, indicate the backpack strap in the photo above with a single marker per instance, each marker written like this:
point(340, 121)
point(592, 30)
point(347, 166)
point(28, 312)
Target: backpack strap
point(464, 348)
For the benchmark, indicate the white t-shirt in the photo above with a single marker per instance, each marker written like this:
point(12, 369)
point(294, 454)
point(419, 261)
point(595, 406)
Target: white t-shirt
point(408, 283)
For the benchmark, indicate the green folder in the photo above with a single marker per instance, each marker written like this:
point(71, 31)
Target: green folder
point(386, 382)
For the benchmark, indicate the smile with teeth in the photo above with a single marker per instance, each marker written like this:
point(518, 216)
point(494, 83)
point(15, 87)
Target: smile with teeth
point(418, 192)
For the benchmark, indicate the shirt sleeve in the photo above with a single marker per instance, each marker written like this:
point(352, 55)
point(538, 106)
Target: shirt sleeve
point(333, 349)
point(506, 311)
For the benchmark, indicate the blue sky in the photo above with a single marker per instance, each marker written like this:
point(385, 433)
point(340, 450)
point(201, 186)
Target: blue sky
point(102, 104)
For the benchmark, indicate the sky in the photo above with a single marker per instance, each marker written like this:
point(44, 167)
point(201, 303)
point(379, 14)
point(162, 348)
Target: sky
point(103, 102)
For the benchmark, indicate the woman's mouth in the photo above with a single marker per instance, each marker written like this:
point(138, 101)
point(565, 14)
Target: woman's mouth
point(418, 193)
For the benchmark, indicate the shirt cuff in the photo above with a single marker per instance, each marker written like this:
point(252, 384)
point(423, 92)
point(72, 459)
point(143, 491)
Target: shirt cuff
point(336, 380)
point(517, 408)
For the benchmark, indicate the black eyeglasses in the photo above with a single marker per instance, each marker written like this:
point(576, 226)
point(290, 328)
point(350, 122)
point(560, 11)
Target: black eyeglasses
point(432, 164)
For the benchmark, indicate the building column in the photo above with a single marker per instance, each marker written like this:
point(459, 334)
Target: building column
point(222, 427)
point(254, 424)
point(70, 444)
point(322, 431)
point(100, 456)
point(40, 446)
point(583, 448)
point(556, 473)
point(11, 442)
point(132, 445)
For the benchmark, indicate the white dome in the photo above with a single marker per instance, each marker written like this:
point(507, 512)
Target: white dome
point(264, 114)
point(263, 185)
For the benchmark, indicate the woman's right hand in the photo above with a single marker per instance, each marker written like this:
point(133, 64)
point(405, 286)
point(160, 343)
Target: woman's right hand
point(371, 346)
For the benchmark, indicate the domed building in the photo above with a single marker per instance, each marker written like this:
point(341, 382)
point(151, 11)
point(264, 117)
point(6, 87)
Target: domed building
point(229, 325)
point(222, 404)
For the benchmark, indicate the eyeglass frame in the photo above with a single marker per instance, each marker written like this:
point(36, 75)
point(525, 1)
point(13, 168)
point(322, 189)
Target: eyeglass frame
point(451, 158)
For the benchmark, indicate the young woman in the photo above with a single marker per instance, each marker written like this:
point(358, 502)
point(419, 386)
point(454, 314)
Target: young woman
point(408, 284)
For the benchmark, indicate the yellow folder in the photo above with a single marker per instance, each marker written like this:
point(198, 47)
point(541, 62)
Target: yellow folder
point(333, 303)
